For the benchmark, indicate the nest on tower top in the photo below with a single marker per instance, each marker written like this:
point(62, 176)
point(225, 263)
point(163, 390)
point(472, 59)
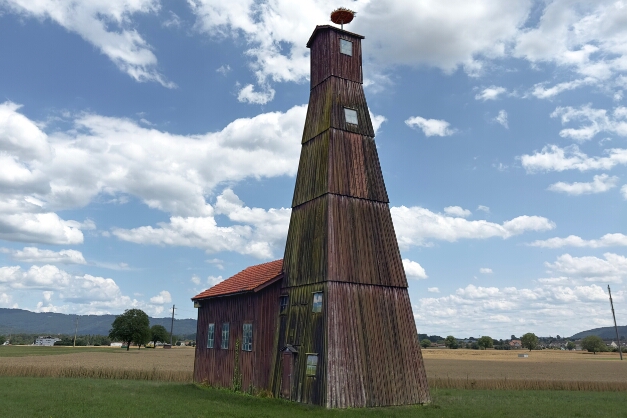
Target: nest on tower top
point(342, 16)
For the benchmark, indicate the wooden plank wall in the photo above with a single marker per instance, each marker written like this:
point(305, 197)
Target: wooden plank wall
point(341, 163)
point(326, 60)
point(216, 366)
point(374, 356)
point(326, 108)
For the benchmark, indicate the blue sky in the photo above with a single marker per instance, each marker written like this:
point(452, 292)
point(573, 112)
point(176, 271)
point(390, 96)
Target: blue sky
point(148, 150)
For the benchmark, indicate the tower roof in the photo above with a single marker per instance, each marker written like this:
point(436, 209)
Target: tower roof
point(321, 28)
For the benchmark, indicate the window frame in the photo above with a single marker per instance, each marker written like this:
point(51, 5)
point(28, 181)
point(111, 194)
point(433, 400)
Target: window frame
point(224, 342)
point(347, 117)
point(316, 306)
point(311, 367)
point(247, 334)
point(283, 306)
point(211, 332)
point(344, 43)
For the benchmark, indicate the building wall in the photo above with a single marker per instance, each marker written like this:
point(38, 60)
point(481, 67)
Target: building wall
point(216, 366)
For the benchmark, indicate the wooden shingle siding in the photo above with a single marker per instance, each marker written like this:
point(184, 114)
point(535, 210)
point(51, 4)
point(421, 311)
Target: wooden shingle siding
point(215, 365)
point(326, 60)
point(341, 163)
point(373, 357)
point(326, 108)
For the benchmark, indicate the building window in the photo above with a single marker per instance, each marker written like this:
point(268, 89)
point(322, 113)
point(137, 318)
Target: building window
point(224, 344)
point(283, 303)
point(247, 344)
point(350, 115)
point(211, 335)
point(346, 47)
point(317, 302)
point(312, 364)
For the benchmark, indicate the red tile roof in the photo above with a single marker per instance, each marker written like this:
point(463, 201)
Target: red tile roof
point(245, 281)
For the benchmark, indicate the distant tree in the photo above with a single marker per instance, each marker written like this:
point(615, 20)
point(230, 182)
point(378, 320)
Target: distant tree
point(425, 343)
point(474, 346)
point(513, 337)
point(570, 345)
point(451, 342)
point(529, 340)
point(485, 342)
point(558, 337)
point(133, 326)
point(593, 343)
point(159, 333)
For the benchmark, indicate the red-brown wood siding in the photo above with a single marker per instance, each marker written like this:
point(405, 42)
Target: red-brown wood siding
point(215, 365)
point(326, 59)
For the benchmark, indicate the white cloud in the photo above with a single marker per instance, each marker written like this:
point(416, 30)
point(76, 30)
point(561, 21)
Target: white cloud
point(249, 95)
point(623, 190)
point(377, 121)
point(224, 69)
point(161, 298)
point(105, 24)
point(554, 158)
point(457, 211)
point(36, 255)
point(599, 184)
point(414, 270)
point(607, 240)
point(214, 280)
point(501, 118)
point(430, 127)
point(433, 290)
point(590, 268)
point(490, 93)
point(485, 270)
point(416, 225)
point(195, 279)
point(597, 120)
point(541, 92)
point(483, 208)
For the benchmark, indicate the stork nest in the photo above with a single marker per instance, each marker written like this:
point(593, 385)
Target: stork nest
point(342, 15)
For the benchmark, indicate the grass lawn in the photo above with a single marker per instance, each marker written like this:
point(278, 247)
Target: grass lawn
point(54, 397)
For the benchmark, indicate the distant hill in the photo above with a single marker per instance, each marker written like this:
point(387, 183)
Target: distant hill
point(607, 333)
point(26, 322)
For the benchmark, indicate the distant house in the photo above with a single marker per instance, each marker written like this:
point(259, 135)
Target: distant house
point(46, 341)
point(116, 344)
point(515, 344)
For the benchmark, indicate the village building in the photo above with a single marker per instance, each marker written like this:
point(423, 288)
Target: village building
point(47, 341)
point(331, 324)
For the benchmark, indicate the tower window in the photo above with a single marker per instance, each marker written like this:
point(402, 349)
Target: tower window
point(350, 115)
point(312, 364)
point(247, 343)
point(317, 302)
point(211, 335)
point(224, 344)
point(346, 47)
point(283, 303)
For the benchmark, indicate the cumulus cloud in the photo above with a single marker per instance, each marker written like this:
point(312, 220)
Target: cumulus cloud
point(430, 127)
point(105, 24)
point(501, 119)
point(490, 93)
point(541, 92)
point(485, 270)
point(36, 255)
point(483, 208)
point(599, 184)
point(593, 121)
point(161, 298)
point(611, 269)
point(457, 211)
point(433, 290)
point(607, 240)
point(414, 270)
point(623, 190)
point(416, 226)
point(554, 158)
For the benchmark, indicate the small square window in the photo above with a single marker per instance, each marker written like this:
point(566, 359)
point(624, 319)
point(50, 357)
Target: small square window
point(283, 303)
point(346, 47)
point(224, 344)
point(312, 364)
point(317, 302)
point(211, 335)
point(247, 343)
point(350, 115)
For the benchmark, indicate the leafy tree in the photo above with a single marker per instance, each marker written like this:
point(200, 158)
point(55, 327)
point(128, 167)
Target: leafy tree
point(570, 345)
point(474, 346)
point(425, 343)
point(451, 342)
point(558, 337)
point(132, 326)
point(593, 343)
point(529, 340)
point(485, 342)
point(513, 337)
point(159, 333)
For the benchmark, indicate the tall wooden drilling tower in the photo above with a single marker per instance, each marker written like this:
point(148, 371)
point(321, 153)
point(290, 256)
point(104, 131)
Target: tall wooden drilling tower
point(346, 335)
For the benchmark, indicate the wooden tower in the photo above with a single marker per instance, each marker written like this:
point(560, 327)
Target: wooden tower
point(346, 333)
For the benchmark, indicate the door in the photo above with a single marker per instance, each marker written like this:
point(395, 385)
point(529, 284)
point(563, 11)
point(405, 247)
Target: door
point(286, 379)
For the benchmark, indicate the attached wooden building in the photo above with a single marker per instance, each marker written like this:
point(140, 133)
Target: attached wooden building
point(344, 333)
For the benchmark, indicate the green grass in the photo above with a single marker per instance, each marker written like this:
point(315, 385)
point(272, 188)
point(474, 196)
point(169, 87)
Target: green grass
point(50, 397)
point(29, 350)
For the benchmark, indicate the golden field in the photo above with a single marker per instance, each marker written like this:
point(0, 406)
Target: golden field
point(481, 369)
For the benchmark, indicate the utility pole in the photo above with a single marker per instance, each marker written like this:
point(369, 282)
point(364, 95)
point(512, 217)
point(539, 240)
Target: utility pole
point(172, 326)
point(620, 350)
point(75, 330)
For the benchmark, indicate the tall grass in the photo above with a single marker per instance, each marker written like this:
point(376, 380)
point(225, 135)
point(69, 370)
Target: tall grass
point(520, 384)
point(17, 370)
